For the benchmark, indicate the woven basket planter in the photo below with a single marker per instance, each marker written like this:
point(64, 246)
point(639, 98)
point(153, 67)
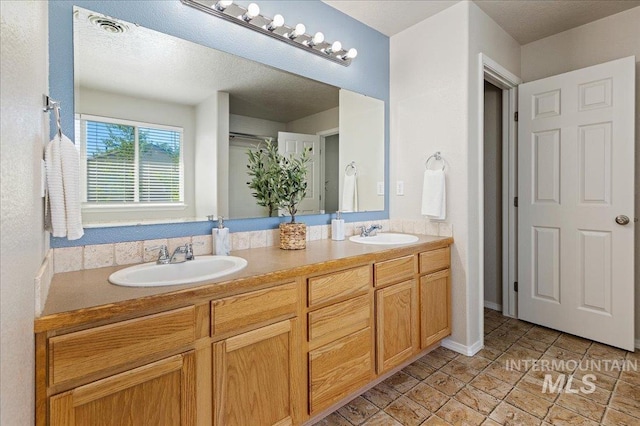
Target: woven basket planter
point(293, 236)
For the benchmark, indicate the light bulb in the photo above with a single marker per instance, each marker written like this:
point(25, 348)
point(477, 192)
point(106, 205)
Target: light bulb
point(351, 53)
point(316, 39)
point(253, 10)
point(335, 47)
point(297, 31)
point(277, 22)
point(223, 4)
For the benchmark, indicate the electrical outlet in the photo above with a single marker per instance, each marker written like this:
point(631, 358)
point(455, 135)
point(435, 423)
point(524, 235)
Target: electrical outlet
point(399, 187)
point(380, 188)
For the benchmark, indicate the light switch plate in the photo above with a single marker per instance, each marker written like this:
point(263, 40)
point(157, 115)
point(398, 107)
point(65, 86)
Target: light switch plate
point(400, 187)
point(380, 188)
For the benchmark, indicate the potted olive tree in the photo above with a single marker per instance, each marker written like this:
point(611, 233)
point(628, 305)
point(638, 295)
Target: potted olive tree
point(280, 182)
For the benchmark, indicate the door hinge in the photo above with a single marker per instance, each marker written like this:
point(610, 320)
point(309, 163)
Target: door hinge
point(515, 286)
point(515, 201)
point(515, 116)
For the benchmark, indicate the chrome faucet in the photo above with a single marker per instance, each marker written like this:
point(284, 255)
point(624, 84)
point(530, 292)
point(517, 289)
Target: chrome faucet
point(182, 254)
point(163, 254)
point(369, 231)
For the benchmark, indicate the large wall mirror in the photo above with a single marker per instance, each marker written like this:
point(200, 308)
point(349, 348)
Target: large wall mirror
point(164, 126)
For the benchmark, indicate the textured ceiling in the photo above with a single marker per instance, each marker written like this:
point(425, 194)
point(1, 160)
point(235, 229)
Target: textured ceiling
point(524, 20)
point(532, 20)
point(151, 65)
point(390, 16)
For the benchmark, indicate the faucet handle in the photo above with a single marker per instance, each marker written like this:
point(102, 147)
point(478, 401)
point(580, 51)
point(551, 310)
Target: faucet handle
point(189, 251)
point(163, 254)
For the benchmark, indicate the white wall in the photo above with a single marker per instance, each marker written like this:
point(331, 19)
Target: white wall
point(113, 105)
point(211, 156)
point(315, 123)
point(610, 38)
point(24, 130)
point(488, 38)
point(428, 104)
point(435, 96)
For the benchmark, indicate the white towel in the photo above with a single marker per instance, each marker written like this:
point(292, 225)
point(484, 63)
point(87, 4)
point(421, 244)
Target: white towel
point(434, 194)
point(63, 182)
point(350, 193)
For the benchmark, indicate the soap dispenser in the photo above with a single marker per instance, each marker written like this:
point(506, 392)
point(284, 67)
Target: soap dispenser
point(221, 238)
point(337, 227)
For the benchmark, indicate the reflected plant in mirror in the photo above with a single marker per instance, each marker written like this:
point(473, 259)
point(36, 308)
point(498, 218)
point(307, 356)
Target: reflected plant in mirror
point(264, 170)
point(278, 181)
point(217, 105)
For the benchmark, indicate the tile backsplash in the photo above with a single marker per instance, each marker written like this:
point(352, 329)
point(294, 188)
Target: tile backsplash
point(69, 259)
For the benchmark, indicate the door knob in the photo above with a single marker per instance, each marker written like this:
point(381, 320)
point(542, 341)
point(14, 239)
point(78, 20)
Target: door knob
point(622, 220)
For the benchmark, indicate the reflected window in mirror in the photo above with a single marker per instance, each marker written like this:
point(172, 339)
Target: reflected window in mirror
point(127, 164)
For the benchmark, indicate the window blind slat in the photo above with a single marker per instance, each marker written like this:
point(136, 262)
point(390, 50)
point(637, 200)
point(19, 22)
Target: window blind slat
point(110, 151)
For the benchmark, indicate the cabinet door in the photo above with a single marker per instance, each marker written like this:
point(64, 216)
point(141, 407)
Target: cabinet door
point(256, 377)
point(161, 393)
point(396, 324)
point(339, 368)
point(435, 307)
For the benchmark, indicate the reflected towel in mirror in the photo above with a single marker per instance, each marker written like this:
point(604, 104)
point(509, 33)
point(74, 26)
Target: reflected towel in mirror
point(350, 193)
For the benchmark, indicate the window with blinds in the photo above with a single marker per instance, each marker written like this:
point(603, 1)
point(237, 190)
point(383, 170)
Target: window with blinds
point(128, 163)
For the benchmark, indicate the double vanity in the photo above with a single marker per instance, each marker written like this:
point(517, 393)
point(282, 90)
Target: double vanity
point(282, 341)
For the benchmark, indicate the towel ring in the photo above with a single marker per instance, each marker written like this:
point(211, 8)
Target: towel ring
point(436, 157)
point(351, 167)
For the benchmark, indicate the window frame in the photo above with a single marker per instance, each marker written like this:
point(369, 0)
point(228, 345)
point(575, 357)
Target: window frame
point(125, 206)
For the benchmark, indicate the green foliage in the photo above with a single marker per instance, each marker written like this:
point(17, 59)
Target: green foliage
point(277, 181)
point(120, 144)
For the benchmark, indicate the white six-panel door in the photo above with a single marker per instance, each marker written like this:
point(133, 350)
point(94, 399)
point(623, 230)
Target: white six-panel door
point(575, 176)
point(295, 144)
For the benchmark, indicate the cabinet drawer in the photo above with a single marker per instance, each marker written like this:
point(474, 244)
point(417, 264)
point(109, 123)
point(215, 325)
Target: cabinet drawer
point(351, 282)
point(339, 320)
point(434, 260)
point(87, 352)
point(395, 270)
point(339, 368)
point(245, 310)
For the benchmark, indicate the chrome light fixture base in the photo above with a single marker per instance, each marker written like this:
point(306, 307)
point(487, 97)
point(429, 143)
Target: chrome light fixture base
point(238, 15)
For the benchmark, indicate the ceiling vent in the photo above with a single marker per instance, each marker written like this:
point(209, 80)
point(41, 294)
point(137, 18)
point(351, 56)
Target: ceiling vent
point(107, 24)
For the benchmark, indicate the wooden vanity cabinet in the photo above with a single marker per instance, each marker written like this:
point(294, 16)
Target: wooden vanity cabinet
point(256, 373)
point(397, 320)
point(340, 335)
point(397, 325)
point(255, 377)
point(435, 296)
point(137, 371)
point(274, 356)
point(160, 393)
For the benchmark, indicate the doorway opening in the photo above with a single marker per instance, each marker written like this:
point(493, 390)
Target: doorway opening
point(329, 170)
point(493, 236)
point(501, 177)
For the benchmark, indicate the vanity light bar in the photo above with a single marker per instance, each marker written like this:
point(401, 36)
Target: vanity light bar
point(277, 29)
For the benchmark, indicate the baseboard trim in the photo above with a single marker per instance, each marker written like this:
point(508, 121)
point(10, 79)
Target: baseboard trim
point(462, 349)
point(637, 343)
point(492, 305)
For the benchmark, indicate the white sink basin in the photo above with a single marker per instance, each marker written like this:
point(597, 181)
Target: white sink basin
point(202, 268)
point(385, 238)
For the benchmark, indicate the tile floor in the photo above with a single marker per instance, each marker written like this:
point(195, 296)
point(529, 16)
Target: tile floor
point(444, 387)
